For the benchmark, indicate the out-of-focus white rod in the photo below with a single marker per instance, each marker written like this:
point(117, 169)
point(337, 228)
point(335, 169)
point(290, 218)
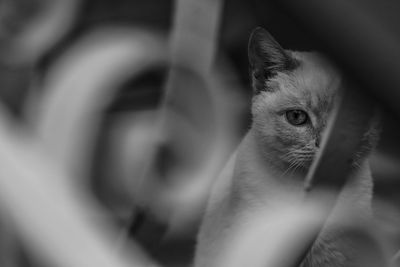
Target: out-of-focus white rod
point(50, 217)
point(84, 81)
point(264, 239)
point(188, 198)
point(195, 32)
point(48, 27)
point(275, 239)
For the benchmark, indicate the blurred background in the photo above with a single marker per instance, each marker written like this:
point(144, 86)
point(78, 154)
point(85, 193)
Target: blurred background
point(142, 102)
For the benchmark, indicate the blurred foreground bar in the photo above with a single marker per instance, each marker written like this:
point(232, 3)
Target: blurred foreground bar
point(362, 36)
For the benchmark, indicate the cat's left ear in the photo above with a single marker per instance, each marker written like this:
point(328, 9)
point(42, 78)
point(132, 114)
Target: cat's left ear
point(266, 58)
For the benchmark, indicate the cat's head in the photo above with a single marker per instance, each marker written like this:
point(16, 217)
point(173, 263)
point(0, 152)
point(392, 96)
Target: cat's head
point(293, 95)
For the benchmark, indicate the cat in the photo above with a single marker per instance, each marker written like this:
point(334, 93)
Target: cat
point(293, 95)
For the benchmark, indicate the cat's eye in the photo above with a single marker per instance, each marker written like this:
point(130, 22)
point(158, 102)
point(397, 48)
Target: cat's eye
point(296, 117)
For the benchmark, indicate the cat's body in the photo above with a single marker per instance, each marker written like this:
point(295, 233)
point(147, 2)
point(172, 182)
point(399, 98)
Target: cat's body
point(294, 93)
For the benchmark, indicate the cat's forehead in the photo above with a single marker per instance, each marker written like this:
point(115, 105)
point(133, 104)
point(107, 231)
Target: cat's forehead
point(314, 83)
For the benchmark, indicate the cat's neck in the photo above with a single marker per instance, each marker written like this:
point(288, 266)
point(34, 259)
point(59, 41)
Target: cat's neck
point(258, 179)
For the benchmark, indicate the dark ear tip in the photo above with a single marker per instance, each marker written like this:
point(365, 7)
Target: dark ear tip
point(258, 30)
point(259, 33)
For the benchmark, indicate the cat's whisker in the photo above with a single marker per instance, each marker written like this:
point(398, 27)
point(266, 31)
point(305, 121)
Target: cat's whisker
point(304, 150)
point(297, 165)
point(290, 157)
point(305, 157)
point(288, 153)
point(296, 159)
point(292, 164)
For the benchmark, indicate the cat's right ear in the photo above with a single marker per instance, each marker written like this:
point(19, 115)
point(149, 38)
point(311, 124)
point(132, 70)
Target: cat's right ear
point(266, 58)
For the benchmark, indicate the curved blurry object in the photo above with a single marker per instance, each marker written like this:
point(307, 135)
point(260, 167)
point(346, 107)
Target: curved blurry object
point(198, 101)
point(62, 234)
point(36, 35)
point(176, 196)
point(83, 82)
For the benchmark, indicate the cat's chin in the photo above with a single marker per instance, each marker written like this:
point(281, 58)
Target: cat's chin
point(297, 170)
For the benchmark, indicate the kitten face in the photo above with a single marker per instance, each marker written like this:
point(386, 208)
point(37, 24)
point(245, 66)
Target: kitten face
point(291, 105)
